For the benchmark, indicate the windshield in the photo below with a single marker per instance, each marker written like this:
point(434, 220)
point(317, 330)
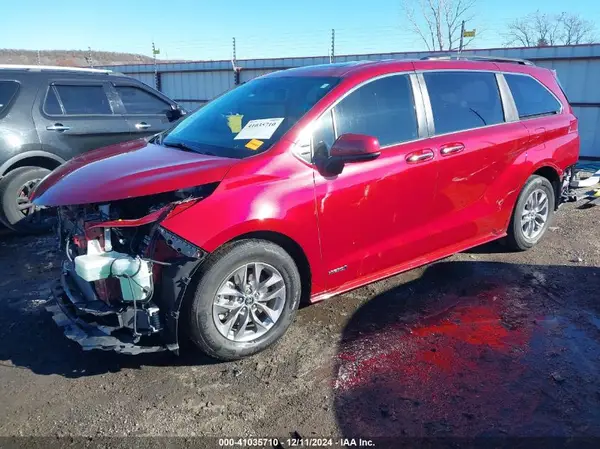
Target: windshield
point(251, 118)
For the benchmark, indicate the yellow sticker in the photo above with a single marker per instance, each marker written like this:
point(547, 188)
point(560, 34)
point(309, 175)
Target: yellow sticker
point(254, 144)
point(234, 122)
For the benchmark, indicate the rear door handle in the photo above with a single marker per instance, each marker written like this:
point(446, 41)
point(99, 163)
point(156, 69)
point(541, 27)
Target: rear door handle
point(58, 127)
point(419, 156)
point(142, 125)
point(451, 149)
point(538, 136)
point(539, 133)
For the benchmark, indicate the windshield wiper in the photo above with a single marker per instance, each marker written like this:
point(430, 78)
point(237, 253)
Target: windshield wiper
point(179, 145)
point(185, 147)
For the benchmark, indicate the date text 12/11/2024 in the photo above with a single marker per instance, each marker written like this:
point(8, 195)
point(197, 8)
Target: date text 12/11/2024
point(294, 442)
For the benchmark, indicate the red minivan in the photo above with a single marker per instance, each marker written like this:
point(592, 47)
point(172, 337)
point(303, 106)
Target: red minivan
point(300, 185)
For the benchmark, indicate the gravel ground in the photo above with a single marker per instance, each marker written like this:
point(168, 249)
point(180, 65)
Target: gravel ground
point(483, 343)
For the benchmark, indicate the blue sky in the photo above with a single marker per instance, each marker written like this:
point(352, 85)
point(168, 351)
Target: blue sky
point(202, 29)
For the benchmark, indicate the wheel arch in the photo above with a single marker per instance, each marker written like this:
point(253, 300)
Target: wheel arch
point(551, 174)
point(41, 159)
point(293, 248)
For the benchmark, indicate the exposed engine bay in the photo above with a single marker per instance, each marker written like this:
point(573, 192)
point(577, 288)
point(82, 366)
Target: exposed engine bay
point(124, 276)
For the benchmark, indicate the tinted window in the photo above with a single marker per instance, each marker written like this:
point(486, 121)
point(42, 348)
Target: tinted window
point(84, 99)
point(51, 105)
point(531, 98)
point(383, 108)
point(463, 100)
point(250, 118)
point(8, 89)
point(138, 101)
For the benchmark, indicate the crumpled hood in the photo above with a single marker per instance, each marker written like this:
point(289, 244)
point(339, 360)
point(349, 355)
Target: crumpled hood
point(128, 170)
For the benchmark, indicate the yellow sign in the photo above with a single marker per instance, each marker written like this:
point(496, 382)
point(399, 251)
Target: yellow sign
point(235, 122)
point(469, 33)
point(254, 144)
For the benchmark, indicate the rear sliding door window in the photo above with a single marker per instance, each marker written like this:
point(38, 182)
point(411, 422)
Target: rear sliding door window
point(531, 98)
point(383, 108)
point(463, 100)
point(79, 100)
point(8, 90)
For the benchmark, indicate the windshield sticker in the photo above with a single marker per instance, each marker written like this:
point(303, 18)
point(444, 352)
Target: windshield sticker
point(259, 129)
point(234, 121)
point(254, 144)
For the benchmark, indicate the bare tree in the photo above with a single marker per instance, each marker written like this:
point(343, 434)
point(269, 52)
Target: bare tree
point(438, 22)
point(539, 29)
point(577, 30)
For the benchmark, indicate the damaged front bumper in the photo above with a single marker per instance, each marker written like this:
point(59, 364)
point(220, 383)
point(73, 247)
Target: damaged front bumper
point(95, 325)
point(126, 326)
point(124, 277)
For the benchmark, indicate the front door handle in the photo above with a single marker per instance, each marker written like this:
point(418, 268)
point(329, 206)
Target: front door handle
point(58, 127)
point(142, 125)
point(419, 156)
point(451, 149)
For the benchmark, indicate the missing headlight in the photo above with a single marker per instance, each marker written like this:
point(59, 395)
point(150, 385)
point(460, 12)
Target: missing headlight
point(180, 245)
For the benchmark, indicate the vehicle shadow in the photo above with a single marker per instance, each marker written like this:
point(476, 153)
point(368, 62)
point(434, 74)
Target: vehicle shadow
point(493, 247)
point(29, 338)
point(474, 349)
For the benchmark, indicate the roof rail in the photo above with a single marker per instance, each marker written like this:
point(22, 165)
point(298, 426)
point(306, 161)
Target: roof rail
point(478, 58)
point(39, 68)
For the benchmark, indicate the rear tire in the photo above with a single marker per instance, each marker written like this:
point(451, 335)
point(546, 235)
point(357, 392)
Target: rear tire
point(227, 293)
point(14, 190)
point(532, 214)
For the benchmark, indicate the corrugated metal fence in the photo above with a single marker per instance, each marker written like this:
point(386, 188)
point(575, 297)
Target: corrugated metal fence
point(192, 84)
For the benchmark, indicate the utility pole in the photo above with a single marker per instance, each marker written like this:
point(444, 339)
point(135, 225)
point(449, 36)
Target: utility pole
point(89, 58)
point(234, 56)
point(234, 66)
point(332, 54)
point(155, 51)
point(39, 58)
point(462, 37)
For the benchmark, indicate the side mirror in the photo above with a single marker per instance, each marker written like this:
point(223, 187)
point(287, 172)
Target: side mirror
point(350, 148)
point(175, 113)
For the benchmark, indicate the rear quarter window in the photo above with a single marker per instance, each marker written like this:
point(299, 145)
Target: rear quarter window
point(532, 99)
point(8, 91)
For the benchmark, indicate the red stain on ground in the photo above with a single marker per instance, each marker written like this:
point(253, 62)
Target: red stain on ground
point(447, 344)
point(486, 365)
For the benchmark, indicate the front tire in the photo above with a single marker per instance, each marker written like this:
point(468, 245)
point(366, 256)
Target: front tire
point(245, 299)
point(532, 214)
point(16, 211)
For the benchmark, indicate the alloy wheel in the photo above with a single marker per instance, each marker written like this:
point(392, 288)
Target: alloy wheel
point(535, 214)
point(249, 302)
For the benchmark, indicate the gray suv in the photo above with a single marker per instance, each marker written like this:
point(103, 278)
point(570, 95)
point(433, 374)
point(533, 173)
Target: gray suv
point(50, 114)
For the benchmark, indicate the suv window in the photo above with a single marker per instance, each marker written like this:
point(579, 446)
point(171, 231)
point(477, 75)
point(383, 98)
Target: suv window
point(82, 100)
point(531, 98)
point(138, 101)
point(51, 104)
point(8, 90)
point(383, 108)
point(463, 100)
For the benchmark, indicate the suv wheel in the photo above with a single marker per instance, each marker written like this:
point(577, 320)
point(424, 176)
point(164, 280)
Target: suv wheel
point(246, 298)
point(532, 214)
point(16, 211)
